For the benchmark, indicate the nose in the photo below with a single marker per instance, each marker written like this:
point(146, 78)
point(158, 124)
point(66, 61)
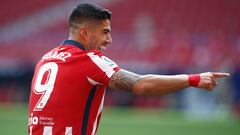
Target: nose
point(109, 39)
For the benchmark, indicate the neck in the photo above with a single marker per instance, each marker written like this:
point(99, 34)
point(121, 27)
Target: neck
point(77, 40)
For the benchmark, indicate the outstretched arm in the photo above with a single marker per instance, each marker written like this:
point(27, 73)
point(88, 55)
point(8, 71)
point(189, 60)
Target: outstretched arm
point(159, 84)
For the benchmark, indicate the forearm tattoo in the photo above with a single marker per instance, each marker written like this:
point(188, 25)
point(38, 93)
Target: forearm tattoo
point(124, 80)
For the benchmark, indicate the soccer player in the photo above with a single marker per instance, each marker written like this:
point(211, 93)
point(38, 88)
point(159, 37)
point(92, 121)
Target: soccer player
point(69, 82)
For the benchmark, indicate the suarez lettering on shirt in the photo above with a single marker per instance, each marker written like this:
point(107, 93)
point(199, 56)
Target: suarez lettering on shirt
point(56, 55)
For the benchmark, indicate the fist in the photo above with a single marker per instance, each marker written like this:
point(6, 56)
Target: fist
point(208, 80)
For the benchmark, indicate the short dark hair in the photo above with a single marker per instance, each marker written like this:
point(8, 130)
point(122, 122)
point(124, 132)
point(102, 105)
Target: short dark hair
point(88, 11)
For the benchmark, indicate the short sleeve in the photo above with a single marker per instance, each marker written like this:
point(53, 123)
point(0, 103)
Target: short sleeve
point(101, 68)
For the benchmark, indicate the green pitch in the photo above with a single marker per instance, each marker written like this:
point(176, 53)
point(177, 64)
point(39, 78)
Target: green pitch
point(128, 121)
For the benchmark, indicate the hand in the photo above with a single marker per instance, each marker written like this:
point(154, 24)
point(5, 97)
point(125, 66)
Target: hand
point(208, 80)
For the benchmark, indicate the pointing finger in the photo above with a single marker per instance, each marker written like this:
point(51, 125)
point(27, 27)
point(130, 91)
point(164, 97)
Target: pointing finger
point(219, 75)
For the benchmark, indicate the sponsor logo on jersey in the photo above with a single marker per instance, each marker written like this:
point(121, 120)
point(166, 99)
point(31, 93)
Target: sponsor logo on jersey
point(41, 120)
point(110, 62)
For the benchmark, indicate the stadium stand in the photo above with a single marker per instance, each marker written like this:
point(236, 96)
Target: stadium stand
point(11, 10)
point(181, 33)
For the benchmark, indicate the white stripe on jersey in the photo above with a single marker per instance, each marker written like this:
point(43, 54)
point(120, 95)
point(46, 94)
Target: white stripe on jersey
point(92, 81)
point(100, 109)
point(30, 130)
point(102, 64)
point(68, 131)
point(47, 130)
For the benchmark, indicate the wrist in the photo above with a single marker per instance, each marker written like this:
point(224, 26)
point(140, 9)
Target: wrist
point(194, 80)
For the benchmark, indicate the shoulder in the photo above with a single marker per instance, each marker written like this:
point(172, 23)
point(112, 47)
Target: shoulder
point(101, 60)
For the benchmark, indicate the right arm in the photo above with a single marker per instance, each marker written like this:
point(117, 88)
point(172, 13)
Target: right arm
point(158, 84)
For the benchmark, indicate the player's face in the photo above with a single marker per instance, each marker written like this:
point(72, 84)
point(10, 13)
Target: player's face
point(100, 37)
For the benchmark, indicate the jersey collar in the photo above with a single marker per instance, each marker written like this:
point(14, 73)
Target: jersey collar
point(72, 42)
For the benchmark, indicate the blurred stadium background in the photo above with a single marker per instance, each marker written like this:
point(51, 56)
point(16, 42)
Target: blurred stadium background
point(153, 36)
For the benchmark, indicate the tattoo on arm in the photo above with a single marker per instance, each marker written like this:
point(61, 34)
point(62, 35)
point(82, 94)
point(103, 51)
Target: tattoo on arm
point(124, 80)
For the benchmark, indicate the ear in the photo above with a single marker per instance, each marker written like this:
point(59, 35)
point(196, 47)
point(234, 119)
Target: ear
point(83, 33)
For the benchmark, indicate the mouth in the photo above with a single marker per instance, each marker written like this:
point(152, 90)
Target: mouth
point(101, 48)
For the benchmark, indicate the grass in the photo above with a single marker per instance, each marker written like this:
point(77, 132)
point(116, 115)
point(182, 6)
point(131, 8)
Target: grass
point(128, 121)
point(161, 122)
point(13, 119)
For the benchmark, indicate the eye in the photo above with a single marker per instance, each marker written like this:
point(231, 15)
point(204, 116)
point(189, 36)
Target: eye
point(106, 31)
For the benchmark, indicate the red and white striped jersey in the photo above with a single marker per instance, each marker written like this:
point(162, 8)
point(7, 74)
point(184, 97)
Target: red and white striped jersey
point(67, 92)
